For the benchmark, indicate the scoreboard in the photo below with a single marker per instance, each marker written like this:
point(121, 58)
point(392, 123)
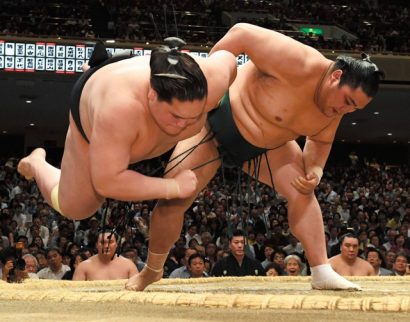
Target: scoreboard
point(63, 58)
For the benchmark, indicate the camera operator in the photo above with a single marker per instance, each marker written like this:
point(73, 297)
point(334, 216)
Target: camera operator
point(14, 266)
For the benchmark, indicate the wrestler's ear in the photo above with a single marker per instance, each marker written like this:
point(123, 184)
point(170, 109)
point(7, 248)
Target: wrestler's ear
point(152, 95)
point(336, 75)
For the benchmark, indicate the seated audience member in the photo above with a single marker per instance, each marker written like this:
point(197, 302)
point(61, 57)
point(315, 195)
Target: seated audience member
point(348, 263)
point(273, 269)
point(375, 259)
point(293, 265)
point(183, 271)
point(105, 265)
point(399, 247)
point(196, 266)
point(41, 259)
point(268, 251)
point(237, 263)
point(294, 246)
point(401, 265)
point(31, 265)
point(390, 257)
point(132, 254)
point(74, 262)
point(278, 257)
point(55, 269)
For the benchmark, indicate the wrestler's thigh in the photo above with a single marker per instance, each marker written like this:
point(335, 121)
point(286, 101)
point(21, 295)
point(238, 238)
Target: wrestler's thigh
point(285, 163)
point(77, 195)
point(199, 156)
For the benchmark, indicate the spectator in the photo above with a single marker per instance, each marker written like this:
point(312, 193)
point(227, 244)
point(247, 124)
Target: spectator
point(31, 266)
point(375, 259)
point(183, 271)
point(237, 263)
point(293, 265)
point(401, 265)
point(55, 269)
point(294, 246)
point(273, 269)
point(196, 266)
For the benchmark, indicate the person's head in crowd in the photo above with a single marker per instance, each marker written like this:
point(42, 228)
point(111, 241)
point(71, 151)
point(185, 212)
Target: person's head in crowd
point(93, 223)
point(292, 240)
point(73, 249)
point(130, 253)
point(375, 241)
point(375, 258)
point(41, 259)
point(196, 265)
point(221, 253)
point(390, 256)
point(293, 265)
point(193, 243)
point(273, 269)
point(33, 248)
point(210, 250)
point(88, 252)
point(206, 238)
point(237, 243)
point(334, 232)
point(39, 242)
point(23, 239)
point(399, 241)
point(188, 253)
point(31, 263)
point(268, 250)
point(75, 260)
point(66, 259)
point(192, 230)
point(391, 235)
point(54, 259)
point(400, 265)
point(200, 249)
point(278, 257)
point(181, 242)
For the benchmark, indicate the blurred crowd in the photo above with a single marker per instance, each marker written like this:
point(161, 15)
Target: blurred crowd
point(375, 23)
point(369, 200)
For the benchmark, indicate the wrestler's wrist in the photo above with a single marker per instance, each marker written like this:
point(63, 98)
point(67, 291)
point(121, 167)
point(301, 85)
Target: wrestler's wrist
point(318, 171)
point(171, 189)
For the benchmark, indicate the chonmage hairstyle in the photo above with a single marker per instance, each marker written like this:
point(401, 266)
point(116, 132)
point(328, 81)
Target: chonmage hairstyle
point(175, 74)
point(359, 73)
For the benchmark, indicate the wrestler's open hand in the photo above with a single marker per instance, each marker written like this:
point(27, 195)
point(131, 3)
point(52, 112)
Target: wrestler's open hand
point(187, 182)
point(306, 185)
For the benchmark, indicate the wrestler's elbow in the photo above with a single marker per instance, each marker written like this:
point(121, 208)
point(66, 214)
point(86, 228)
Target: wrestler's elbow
point(103, 185)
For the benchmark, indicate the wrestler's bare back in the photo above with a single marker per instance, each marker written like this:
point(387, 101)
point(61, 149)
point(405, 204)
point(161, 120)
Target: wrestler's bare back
point(270, 112)
point(122, 81)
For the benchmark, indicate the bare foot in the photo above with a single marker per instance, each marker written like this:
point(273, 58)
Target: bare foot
point(141, 280)
point(25, 166)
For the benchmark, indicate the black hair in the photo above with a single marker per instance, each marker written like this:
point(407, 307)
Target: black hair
point(276, 267)
point(349, 235)
point(175, 74)
point(193, 256)
point(237, 233)
point(359, 73)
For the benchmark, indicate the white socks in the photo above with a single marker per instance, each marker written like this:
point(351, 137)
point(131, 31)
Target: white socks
point(325, 278)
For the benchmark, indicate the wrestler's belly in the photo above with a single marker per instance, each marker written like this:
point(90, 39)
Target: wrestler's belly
point(261, 133)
